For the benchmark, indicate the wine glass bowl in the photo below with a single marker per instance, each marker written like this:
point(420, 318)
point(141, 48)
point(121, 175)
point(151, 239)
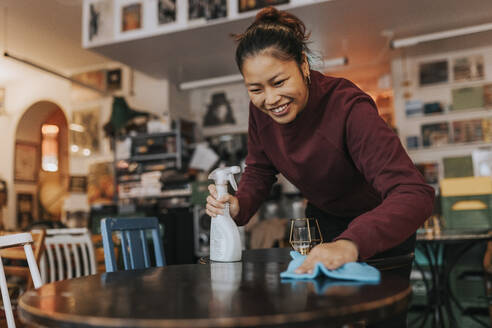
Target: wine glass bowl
point(304, 234)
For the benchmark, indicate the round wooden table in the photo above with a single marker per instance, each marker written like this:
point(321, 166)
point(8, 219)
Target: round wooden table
point(249, 293)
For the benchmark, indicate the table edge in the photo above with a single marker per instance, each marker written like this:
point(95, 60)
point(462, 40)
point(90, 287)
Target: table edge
point(27, 311)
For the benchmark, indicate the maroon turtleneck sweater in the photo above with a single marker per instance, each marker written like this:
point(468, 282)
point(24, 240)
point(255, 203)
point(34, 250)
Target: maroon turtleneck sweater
point(345, 160)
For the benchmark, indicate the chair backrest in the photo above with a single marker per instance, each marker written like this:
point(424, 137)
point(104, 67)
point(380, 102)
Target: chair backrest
point(9, 249)
point(69, 253)
point(18, 253)
point(133, 242)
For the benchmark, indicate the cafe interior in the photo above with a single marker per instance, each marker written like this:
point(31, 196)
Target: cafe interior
point(116, 113)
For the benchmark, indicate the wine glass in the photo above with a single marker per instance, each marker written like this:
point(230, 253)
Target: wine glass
point(304, 234)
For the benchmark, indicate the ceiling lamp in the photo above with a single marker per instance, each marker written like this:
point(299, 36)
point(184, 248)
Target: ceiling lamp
point(412, 41)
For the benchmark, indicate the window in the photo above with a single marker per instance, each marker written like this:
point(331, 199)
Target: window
point(49, 147)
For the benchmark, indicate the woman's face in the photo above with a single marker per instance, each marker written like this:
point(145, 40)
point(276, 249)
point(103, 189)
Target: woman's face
point(276, 87)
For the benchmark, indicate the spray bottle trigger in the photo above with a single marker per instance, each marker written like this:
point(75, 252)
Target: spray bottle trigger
point(232, 181)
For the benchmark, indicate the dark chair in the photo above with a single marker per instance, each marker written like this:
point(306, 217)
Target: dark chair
point(133, 242)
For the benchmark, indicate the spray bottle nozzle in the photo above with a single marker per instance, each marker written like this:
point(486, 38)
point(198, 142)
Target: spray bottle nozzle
point(224, 174)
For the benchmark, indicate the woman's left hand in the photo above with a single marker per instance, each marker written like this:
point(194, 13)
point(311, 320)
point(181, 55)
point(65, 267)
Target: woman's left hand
point(331, 255)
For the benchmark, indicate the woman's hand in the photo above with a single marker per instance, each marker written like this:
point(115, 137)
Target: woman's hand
point(215, 206)
point(331, 255)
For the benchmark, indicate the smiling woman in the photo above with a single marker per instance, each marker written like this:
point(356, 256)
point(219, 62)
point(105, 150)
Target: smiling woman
point(325, 136)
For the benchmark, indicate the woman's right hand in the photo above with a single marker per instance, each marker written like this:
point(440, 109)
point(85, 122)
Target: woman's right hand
point(216, 206)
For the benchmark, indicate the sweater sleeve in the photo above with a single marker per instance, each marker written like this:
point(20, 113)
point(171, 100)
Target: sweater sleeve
point(407, 200)
point(257, 179)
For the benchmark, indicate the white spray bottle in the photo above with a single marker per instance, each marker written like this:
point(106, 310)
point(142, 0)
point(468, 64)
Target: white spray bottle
point(225, 242)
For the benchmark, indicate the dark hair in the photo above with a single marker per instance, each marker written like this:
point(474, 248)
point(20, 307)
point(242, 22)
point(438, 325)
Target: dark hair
point(281, 31)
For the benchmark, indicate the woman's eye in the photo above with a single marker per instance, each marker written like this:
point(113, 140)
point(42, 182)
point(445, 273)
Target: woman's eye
point(255, 90)
point(279, 83)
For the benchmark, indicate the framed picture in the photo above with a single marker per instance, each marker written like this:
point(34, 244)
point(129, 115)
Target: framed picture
point(95, 78)
point(113, 79)
point(433, 72)
point(222, 109)
point(468, 68)
point(435, 134)
point(78, 184)
point(207, 9)
point(26, 162)
point(25, 210)
point(84, 132)
point(131, 17)
point(467, 131)
point(166, 11)
point(247, 5)
point(100, 23)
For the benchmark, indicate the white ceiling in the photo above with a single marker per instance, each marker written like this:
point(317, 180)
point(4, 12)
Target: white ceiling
point(48, 32)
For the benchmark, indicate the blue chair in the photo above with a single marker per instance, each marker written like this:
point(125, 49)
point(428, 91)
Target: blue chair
point(133, 242)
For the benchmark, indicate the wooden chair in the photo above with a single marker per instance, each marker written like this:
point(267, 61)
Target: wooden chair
point(133, 242)
point(9, 249)
point(69, 253)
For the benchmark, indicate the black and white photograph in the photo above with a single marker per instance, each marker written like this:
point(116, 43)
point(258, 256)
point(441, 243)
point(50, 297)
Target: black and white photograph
point(207, 9)
point(219, 111)
point(222, 109)
point(100, 20)
point(166, 10)
point(433, 72)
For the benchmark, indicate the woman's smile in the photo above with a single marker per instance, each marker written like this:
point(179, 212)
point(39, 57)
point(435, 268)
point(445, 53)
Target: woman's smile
point(280, 110)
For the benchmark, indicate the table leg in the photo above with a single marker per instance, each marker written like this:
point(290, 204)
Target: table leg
point(451, 263)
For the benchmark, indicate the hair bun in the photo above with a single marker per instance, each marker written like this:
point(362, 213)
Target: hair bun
point(272, 16)
point(268, 15)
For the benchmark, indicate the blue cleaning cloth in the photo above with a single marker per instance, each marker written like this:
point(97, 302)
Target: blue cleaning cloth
point(349, 271)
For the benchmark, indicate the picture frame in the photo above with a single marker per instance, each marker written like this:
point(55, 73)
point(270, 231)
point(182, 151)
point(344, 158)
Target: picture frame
point(468, 68)
point(26, 162)
point(113, 80)
point(207, 10)
point(131, 16)
point(99, 23)
point(84, 131)
point(95, 78)
point(221, 109)
point(166, 11)
point(434, 72)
